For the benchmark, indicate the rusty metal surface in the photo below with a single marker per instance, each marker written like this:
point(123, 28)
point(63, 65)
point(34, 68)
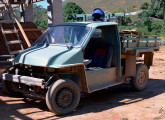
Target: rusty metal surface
point(102, 78)
point(23, 79)
point(130, 65)
point(32, 36)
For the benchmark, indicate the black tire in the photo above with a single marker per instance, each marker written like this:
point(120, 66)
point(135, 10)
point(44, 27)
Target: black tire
point(63, 97)
point(139, 82)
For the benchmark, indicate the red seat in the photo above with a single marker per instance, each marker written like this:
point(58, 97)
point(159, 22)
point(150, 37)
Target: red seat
point(102, 56)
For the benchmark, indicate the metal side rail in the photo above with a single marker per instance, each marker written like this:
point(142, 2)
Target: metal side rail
point(30, 81)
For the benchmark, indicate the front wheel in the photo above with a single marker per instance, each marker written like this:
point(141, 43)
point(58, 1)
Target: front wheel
point(140, 80)
point(63, 97)
point(8, 87)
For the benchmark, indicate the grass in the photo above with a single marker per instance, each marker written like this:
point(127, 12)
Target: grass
point(133, 17)
point(124, 119)
point(157, 118)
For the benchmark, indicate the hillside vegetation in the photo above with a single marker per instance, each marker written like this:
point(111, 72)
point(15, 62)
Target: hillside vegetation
point(107, 5)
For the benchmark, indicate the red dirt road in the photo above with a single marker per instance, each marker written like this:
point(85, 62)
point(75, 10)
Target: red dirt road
point(115, 103)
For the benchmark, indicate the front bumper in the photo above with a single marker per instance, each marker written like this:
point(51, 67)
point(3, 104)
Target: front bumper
point(30, 81)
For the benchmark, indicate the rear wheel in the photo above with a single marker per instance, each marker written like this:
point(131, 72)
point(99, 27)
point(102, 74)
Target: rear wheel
point(63, 97)
point(139, 82)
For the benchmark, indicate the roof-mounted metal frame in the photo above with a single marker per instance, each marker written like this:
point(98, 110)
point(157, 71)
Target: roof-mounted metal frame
point(108, 16)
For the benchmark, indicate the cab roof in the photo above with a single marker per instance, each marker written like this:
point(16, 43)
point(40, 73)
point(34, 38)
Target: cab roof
point(89, 24)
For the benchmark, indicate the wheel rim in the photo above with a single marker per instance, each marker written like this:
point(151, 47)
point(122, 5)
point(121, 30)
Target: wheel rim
point(142, 78)
point(65, 98)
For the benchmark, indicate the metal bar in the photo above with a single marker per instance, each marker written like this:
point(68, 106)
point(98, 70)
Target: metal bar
point(30, 81)
point(14, 42)
point(16, 52)
point(127, 43)
point(6, 21)
point(143, 39)
point(84, 18)
point(9, 32)
point(7, 56)
point(5, 39)
point(5, 61)
point(140, 35)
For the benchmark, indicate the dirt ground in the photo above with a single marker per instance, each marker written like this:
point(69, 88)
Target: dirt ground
point(116, 103)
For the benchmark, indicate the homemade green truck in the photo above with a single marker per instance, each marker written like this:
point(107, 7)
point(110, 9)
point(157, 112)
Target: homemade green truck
point(71, 58)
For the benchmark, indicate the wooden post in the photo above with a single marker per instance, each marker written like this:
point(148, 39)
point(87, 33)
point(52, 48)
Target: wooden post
point(27, 13)
point(55, 14)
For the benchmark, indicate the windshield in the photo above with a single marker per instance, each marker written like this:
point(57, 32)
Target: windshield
point(64, 35)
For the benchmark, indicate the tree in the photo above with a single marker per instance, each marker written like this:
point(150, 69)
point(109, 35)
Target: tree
point(159, 4)
point(144, 6)
point(40, 16)
point(70, 9)
point(148, 24)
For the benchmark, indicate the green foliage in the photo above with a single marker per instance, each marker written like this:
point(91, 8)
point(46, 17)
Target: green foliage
point(40, 16)
point(152, 12)
point(159, 4)
point(121, 21)
point(70, 9)
point(162, 34)
point(148, 27)
point(128, 20)
point(107, 5)
point(148, 23)
point(145, 6)
point(132, 8)
point(17, 12)
point(120, 10)
point(124, 21)
point(133, 17)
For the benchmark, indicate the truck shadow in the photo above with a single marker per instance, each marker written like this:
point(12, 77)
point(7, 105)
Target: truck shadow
point(90, 103)
point(118, 96)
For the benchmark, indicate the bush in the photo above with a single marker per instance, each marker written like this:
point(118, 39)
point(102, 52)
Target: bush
point(148, 27)
point(124, 21)
point(152, 12)
point(144, 6)
point(128, 20)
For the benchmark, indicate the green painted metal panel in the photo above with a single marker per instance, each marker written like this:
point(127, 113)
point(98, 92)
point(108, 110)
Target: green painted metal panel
point(55, 55)
point(87, 24)
point(111, 14)
point(117, 14)
point(99, 78)
point(50, 55)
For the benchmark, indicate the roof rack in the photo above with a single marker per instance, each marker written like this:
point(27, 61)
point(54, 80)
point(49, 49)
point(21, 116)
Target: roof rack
point(109, 17)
